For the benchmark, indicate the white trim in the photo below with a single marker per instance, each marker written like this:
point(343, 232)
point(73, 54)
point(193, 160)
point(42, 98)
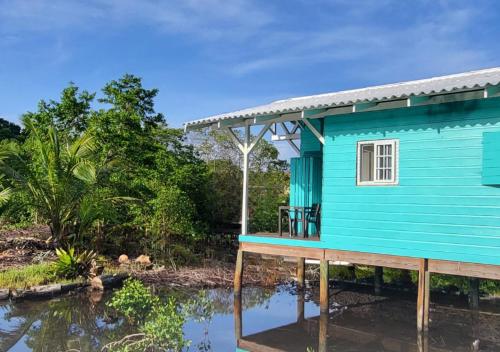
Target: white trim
point(394, 162)
point(314, 130)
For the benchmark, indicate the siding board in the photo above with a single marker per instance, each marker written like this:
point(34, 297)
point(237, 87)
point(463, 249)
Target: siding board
point(440, 209)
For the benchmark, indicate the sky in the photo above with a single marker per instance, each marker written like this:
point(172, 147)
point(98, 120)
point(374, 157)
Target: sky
point(214, 56)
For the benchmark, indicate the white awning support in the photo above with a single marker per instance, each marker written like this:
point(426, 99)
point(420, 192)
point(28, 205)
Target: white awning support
point(246, 148)
point(314, 130)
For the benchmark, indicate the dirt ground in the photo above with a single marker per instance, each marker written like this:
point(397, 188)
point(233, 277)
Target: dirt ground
point(20, 247)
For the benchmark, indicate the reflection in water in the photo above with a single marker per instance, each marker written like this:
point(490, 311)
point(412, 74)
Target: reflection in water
point(261, 319)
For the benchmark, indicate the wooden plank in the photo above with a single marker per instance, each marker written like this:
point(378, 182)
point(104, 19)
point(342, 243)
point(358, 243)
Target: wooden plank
point(389, 261)
point(483, 271)
point(284, 250)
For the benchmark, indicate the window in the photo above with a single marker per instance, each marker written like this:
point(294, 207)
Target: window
point(377, 162)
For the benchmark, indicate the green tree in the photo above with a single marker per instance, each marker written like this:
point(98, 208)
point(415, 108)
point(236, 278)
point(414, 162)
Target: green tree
point(9, 130)
point(56, 175)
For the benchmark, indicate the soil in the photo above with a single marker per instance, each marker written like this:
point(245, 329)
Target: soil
point(21, 247)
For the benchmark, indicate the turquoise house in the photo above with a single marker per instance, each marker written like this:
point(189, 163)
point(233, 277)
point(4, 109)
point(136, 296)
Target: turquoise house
point(406, 175)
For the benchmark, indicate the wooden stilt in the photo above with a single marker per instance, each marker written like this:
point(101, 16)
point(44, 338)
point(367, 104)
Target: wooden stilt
point(323, 332)
point(323, 286)
point(423, 342)
point(474, 293)
point(378, 279)
point(423, 297)
point(300, 306)
point(301, 273)
point(238, 272)
point(238, 324)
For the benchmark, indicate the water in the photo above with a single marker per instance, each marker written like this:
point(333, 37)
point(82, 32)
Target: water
point(279, 320)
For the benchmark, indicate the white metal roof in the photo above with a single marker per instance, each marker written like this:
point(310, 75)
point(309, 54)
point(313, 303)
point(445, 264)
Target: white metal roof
point(435, 85)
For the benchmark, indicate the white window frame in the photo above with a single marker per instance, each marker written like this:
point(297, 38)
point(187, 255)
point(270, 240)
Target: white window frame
point(394, 163)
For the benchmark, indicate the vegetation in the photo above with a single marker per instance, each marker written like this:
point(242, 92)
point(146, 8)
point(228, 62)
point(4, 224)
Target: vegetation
point(71, 266)
point(160, 324)
point(118, 177)
point(28, 276)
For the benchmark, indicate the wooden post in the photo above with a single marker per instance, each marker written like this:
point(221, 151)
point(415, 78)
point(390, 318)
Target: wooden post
point(423, 342)
point(301, 272)
point(238, 272)
point(238, 321)
point(378, 279)
point(323, 332)
point(323, 286)
point(423, 297)
point(300, 306)
point(474, 293)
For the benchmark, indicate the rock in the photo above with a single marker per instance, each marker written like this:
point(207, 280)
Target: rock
point(99, 283)
point(4, 293)
point(143, 260)
point(123, 259)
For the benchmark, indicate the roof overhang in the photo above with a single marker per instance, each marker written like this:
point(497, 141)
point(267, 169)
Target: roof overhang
point(436, 90)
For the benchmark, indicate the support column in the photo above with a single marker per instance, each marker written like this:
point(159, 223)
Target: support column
point(238, 319)
point(238, 272)
point(423, 296)
point(474, 293)
point(244, 198)
point(378, 279)
point(323, 332)
point(323, 286)
point(301, 272)
point(300, 306)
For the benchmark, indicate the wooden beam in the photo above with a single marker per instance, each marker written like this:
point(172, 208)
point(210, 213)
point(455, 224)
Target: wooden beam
point(416, 100)
point(287, 251)
point(314, 131)
point(323, 332)
point(258, 137)
point(294, 146)
point(423, 296)
point(492, 91)
point(359, 107)
point(285, 137)
point(235, 139)
point(473, 293)
point(389, 261)
point(238, 272)
point(323, 286)
point(238, 318)
point(483, 271)
point(301, 272)
point(300, 306)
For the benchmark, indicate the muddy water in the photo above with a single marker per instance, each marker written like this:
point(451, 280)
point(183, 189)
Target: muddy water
point(271, 320)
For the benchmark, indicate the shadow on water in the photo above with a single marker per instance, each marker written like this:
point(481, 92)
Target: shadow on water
point(261, 320)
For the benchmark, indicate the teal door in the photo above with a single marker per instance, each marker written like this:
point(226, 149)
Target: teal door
point(305, 183)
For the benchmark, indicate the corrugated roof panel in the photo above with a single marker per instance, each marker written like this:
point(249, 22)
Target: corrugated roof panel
point(435, 85)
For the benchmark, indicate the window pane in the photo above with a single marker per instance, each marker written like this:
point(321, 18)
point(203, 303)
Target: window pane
point(367, 160)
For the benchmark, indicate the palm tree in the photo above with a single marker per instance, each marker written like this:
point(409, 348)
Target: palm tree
point(57, 177)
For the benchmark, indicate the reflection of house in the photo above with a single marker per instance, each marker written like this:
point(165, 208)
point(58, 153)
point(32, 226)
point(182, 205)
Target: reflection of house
point(407, 176)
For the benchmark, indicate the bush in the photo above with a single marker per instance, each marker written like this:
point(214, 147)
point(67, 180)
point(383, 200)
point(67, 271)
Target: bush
point(134, 301)
point(70, 265)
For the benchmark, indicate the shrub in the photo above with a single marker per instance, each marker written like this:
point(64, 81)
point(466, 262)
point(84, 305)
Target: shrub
point(134, 301)
point(70, 265)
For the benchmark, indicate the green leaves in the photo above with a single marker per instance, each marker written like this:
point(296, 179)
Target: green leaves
point(70, 266)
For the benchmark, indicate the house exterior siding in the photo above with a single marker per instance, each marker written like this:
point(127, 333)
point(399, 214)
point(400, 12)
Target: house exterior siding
point(440, 209)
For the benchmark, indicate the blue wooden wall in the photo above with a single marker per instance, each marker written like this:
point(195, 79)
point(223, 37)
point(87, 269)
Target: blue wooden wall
point(441, 209)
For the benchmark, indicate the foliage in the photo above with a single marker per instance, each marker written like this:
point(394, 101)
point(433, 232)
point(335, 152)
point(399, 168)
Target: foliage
point(71, 266)
point(134, 301)
point(30, 275)
point(9, 130)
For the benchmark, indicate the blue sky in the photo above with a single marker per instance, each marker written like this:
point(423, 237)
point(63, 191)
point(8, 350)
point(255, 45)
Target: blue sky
point(213, 56)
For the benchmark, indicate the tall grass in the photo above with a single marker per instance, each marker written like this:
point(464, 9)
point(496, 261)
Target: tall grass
point(31, 275)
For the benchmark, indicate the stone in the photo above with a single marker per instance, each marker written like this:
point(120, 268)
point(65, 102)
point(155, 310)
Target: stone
point(143, 260)
point(123, 259)
point(4, 293)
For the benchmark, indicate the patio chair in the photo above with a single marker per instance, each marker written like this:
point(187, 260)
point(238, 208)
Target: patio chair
point(313, 216)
